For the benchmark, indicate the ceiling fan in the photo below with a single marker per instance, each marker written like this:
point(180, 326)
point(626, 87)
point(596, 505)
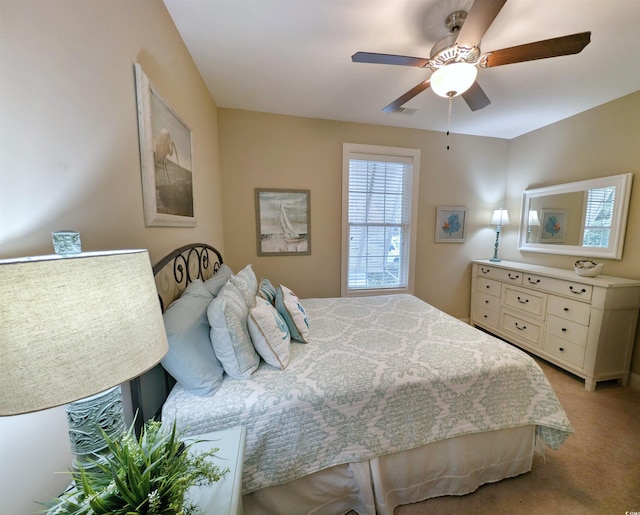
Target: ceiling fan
point(455, 59)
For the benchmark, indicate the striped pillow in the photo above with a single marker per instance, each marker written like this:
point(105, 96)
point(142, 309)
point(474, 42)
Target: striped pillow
point(288, 305)
point(267, 291)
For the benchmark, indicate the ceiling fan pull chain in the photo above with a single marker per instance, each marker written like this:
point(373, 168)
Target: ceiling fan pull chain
point(449, 121)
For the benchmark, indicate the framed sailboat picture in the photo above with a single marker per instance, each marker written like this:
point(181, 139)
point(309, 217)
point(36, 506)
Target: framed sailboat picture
point(283, 225)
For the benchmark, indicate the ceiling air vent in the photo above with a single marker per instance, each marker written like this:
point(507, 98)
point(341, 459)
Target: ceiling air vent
point(407, 111)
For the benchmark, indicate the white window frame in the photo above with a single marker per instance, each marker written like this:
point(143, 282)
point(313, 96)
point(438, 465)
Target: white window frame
point(375, 151)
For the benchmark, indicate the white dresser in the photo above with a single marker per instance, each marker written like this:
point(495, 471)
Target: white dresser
point(586, 325)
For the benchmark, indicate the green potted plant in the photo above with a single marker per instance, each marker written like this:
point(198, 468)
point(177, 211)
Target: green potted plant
point(147, 476)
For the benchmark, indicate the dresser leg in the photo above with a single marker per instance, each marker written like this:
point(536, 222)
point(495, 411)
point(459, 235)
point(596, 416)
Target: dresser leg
point(589, 385)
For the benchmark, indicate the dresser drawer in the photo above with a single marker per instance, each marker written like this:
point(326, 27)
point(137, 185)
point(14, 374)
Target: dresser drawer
point(490, 302)
point(569, 288)
point(564, 350)
point(567, 330)
point(526, 330)
point(569, 309)
point(487, 317)
point(532, 302)
point(489, 286)
point(501, 274)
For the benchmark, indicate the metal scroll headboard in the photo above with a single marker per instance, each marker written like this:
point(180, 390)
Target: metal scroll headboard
point(173, 273)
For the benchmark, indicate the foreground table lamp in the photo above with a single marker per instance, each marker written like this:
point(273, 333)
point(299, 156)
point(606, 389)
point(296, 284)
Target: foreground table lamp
point(76, 327)
point(500, 218)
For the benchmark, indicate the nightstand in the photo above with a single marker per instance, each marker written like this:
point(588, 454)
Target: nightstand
point(225, 496)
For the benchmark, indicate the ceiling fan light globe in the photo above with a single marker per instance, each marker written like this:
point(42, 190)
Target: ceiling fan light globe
point(453, 79)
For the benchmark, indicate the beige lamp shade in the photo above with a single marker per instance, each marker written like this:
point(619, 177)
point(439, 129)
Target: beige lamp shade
point(75, 326)
point(533, 221)
point(500, 217)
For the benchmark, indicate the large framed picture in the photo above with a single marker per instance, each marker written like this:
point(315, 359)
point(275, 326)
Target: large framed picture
point(553, 223)
point(451, 224)
point(166, 159)
point(283, 225)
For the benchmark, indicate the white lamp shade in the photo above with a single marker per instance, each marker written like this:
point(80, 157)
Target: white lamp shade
point(533, 221)
point(500, 217)
point(75, 326)
point(453, 79)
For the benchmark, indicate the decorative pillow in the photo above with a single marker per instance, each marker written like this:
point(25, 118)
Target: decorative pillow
point(267, 291)
point(269, 333)
point(246, 281)
point(190, 359)
point(216, 282)
point(230, 338)
point(288, 305)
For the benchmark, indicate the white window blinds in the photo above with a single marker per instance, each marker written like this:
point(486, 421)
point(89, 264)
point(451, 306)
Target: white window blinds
point(599, 217)
point(379, 221)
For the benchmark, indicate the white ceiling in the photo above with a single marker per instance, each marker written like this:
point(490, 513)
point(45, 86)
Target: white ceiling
point(293, 57)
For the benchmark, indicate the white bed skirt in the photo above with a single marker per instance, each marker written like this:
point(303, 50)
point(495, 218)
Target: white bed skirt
point(455, 466)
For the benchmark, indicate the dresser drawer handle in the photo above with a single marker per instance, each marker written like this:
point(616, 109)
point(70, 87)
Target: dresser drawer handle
point(525, 301)
point(577, 292)
point(513, 277)
point(564, 329)
point(521, 328)
point(537, 281)
point(485, 316)
point(561, 349)
point(565, 309)
point(486, 302)
point(488, 287)
point(485, 270)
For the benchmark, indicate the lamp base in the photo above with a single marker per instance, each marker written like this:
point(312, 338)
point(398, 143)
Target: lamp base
point(495, 257)
point(87, 418)
point(495, 260)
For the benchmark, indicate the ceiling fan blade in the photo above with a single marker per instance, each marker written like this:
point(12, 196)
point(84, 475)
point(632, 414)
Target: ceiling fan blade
point(480, 17)
point(399, 102)
point(565, 45)
point(402, 60)
point(475, 97)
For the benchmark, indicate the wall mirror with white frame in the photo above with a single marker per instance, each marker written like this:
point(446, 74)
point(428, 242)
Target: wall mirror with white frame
point(585, 218)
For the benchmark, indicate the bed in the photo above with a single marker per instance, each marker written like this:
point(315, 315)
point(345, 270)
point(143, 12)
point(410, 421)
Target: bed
point(389, 402)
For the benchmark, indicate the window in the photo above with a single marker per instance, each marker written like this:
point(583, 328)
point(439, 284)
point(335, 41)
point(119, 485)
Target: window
point(379, 200)
point(599, 217)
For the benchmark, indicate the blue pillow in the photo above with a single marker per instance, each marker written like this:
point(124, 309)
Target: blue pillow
point(190, 359)
point(215, 283)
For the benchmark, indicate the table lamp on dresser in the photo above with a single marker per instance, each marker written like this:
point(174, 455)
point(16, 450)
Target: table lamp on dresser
point(500, 218)
point(73, 328)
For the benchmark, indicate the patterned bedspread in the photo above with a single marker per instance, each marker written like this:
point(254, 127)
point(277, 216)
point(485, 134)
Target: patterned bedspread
point(379, 375)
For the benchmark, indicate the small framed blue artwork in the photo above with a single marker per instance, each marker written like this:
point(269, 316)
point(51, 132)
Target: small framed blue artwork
point(451, 224)
point(552, 225)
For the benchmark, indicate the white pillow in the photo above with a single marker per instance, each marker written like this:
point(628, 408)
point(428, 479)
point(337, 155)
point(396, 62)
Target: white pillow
point(288, 305)
point(269, 334)
point(230, 338)
point(247, 282)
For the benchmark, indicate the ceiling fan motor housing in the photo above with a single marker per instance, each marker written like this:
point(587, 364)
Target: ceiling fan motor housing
point(446, 51)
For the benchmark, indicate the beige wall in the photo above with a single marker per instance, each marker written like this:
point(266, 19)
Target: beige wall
point(69, 159)
point(599, 142)
point(272, 151)
point(261, 150)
